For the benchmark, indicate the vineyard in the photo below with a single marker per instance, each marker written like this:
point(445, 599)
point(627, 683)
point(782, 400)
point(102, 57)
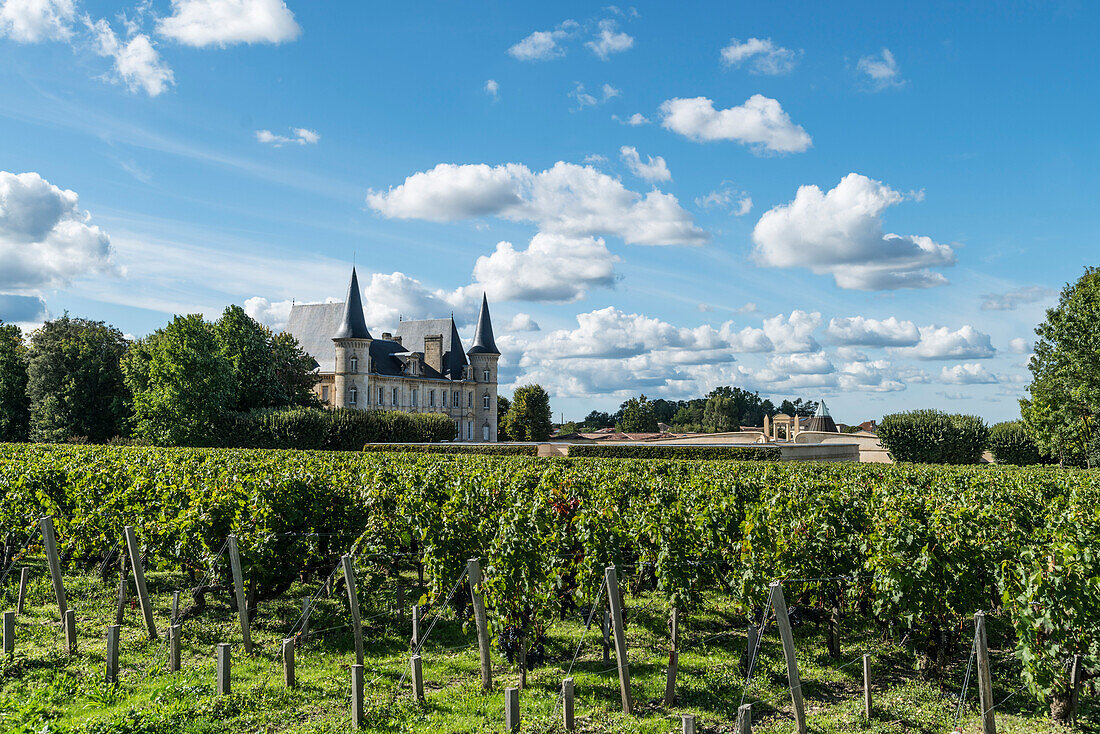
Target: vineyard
point(891, 561)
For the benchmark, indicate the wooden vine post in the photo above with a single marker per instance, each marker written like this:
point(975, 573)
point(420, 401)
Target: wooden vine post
point(49, 543)
point(139, 581)
point(353, 603)
point(473, 573)
point(24, 573)
point(9, 633)
point(568, 719)
point(673, 656)
point(123, 576)
point(238, 589)
point(985, 682)
point(784, 623)
point(611, 578)
point(744, 719)
point(112, 653)
point(868, 710)
point(1076, 674)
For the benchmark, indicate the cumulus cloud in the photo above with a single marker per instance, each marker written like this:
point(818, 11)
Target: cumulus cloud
point(794, 333)
point(543, 45)
point(522, 322)
point(298, 136)
point(759, 123)
point(840, 233)
point(940, 342)
point(653, 169)
point(870, 376)
point(554, 267)
point(761, 55)
point(801, 364)
point(970, 373)
point(227, 22)
point(738, 202)
point(609, 40)
point(1014, 298)
point(586, 99)
point(864, 332)
point(389, 297)
point(880, 70)
point(635, 120)
point(272, 313)
point(492, 88)
point(21, 309)
point(567, 199)
point(137, 64)
point(34, 21)
point(46, 240)
point(1019, 346)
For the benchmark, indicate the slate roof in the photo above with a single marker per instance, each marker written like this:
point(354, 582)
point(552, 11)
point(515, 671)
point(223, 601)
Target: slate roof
point(412, 335)
point(353, 325)
point(483, 335)
point(313, 325)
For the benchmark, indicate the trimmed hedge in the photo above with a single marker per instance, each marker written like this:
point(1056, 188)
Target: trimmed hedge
point(934, 437)
point(1010, 444)
point(455, 448)
point(342, 429)
point(730, 453)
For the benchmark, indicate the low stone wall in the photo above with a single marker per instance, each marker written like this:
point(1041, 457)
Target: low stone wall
point(821, 452)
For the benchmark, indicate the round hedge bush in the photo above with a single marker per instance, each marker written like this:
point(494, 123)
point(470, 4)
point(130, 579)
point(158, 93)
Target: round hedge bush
point(934, 437)
point(1010, 444)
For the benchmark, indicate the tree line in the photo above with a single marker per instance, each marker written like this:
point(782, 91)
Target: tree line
point(723, 409)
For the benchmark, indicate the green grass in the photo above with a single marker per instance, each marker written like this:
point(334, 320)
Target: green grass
point(43, 689)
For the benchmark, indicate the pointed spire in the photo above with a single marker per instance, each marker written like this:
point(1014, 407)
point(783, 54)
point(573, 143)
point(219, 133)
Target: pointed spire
point(483, 335)
point(353, 325)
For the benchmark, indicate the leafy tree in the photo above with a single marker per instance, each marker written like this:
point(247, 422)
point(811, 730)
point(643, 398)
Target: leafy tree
point(1010, 444)
point(638, 416)
point(503, 405)
point(182, 383)
point(800, 407)
point(1064, 396)
point(74, 381)
point(528, 417)
point(720, 414)
point(664, 410)
point(689, 415)
point(598, 419)
point(294, 371)
point(569, 427)
point(14, 406)
point(245, 343)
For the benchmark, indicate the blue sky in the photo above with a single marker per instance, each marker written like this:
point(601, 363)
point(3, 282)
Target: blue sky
point(169, 157)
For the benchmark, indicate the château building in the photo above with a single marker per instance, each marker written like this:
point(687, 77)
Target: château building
point(419, 368)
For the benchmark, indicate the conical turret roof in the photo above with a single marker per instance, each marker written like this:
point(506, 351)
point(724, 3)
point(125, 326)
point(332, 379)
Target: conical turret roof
point(353, 325)
point(483, 335)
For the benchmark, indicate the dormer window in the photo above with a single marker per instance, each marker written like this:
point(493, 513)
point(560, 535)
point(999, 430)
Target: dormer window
point(354, 363)
point(353, 395)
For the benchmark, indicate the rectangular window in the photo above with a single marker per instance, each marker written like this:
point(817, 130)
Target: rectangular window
point(324, 393)
point(458, 431)
point(469, 430)
point(353, 395)
point(431, 398)
point(485, 376)
point(455, 399)
point(485, 432)
point(469, 400)
point(414, 396)
point(381, 396)
point(485, 401)
point(395, 396)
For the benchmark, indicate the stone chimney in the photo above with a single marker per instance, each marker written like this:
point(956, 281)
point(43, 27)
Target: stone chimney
point(433, 352)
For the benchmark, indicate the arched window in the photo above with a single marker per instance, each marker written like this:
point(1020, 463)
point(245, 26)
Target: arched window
point(485, 432)
point(354, 363)
point(353, 395)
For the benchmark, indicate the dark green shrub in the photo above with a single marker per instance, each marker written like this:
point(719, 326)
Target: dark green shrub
point(330, 430)
point(734, 453)
point(934, 437)
point(1010, 444)
point(456, 448)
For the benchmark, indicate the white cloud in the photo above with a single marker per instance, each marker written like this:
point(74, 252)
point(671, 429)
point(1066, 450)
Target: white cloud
point(387, 298)
point(543, 45)
point(738, 202)
point(793, 333)
point(1019, 346)
point(1012, 299)
point(840, 233)
point(567, 199)
point(759, 123)
point(870, 376)
point(585, 99)
point(881, 70)
point(492, 88)
point(298, 136)
point(802, 364)
point(554, 267)
point(764, 57)
point(46, 240)
point(970, 373)
point(609, 41)
point(271, 313)
point(522, 322)
point(860, 331)
point(33, 21)
point(635, 120)
point(654, 169)
point(227, 22)
point(749, 307)
point(137, 64)
point(940, 342)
